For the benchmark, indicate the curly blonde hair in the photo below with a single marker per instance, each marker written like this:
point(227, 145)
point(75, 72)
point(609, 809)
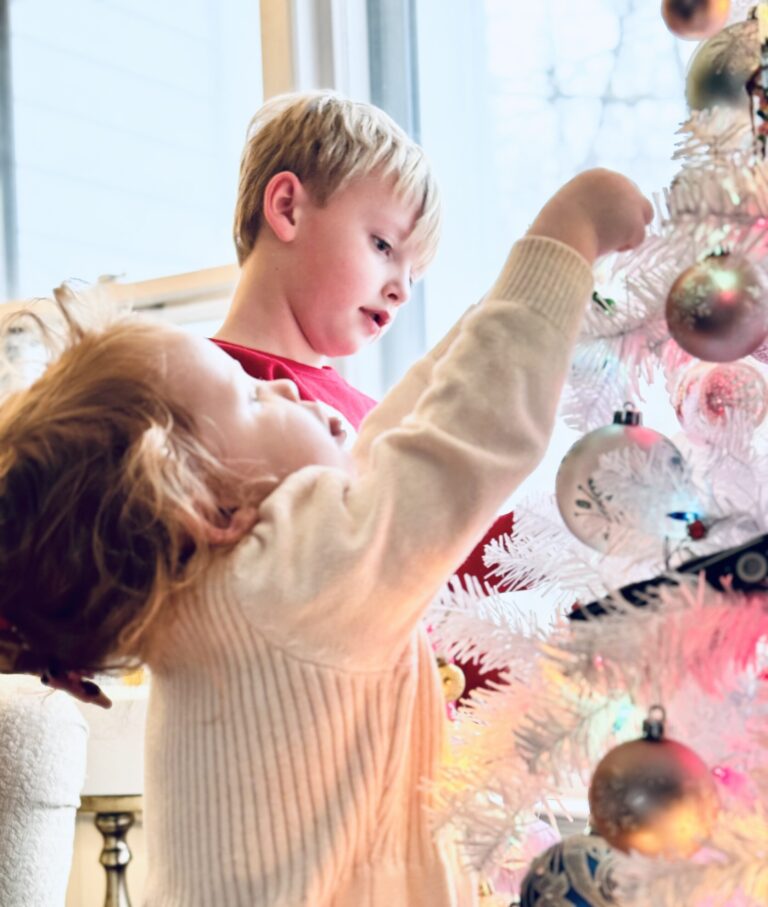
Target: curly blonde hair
point(106, 499)
point(329, 141)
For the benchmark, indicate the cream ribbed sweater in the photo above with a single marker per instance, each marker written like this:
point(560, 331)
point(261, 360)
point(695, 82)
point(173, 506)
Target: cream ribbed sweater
point(297, 711)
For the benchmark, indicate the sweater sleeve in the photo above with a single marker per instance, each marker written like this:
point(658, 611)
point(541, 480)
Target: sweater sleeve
point(340, 569)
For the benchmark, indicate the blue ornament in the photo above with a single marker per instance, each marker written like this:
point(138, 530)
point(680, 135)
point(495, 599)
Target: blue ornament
point(576, 872)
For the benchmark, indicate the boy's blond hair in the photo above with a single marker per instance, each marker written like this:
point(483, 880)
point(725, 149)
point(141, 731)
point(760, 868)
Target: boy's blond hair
point(328, 141)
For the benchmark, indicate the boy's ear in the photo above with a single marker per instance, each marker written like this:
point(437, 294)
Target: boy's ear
point(239, 523)
point(284, 196)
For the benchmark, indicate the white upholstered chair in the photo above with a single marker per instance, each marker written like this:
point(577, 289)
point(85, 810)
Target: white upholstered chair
point(43, 740)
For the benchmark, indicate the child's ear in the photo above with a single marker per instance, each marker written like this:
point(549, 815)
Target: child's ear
point(238, 524)
point(284, 196)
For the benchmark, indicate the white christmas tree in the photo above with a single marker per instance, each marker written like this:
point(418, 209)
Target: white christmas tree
point(645, 664)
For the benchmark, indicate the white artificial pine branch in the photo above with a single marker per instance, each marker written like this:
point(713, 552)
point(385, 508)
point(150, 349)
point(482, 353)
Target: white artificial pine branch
point(731, 872)
point(542, 553)
point(471, 623)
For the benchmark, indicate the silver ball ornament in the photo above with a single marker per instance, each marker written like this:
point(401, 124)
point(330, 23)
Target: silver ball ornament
point(654, 796)
point(717, 310)
point(580, 869)
point(695, 19)
point(591, 514)
point(720, 69)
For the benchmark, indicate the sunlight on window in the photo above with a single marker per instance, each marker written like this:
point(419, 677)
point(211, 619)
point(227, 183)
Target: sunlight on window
point(128, 121)
point(571, 86)
point(517, 97)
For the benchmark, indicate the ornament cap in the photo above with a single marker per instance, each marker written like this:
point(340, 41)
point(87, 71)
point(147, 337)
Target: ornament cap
point(628, 416)
point(653, 726)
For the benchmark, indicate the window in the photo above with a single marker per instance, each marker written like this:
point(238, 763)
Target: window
point(515, 98)
point(128, 118)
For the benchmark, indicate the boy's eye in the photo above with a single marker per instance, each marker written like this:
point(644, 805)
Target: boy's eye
point(382, 245)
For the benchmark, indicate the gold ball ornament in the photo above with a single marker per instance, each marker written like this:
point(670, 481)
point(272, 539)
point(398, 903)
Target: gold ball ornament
point(717, 309)
point(452, 679)
point(721, 68)
point(654, 796)
point(695, 19)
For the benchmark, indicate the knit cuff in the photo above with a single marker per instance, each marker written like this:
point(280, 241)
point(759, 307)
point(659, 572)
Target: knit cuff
point(546, 275)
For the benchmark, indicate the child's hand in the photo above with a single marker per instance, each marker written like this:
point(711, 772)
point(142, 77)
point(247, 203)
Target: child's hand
point(597, 212)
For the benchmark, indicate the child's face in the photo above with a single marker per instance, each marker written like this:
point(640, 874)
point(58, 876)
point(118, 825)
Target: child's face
point(352, 266)
point(258, 428)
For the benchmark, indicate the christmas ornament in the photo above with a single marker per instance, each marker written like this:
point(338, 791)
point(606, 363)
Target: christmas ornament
point(579, 871)
point(716, 310)
point(653, 795)
point(720, 69)
point(761, 353)
point(452, 679)
point(591, 514)
point(695, 19)
point(710, 398)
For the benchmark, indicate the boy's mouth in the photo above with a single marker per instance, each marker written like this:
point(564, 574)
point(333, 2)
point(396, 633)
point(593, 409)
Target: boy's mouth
point(379, 317)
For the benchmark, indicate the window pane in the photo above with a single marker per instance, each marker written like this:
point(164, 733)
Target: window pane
point(516, 97)
point(129, 117)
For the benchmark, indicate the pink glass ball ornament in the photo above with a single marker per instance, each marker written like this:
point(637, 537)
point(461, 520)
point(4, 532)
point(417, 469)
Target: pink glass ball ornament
point(587, 510)
point(694, 20)
point(710, 398)
point(717, 310)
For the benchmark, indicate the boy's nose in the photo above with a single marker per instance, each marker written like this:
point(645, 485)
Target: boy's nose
point(398, 290)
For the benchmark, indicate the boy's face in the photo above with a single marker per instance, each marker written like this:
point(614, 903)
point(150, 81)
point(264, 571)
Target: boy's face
point(258, 428)
point(352, 265)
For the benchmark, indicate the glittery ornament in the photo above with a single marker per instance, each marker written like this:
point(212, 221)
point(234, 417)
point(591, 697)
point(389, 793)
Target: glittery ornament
point(591, 514)
point(717, 309)
point(709, 399)
point(695, 19)
point(653, 795)
point(578, 871)
point(721, 68)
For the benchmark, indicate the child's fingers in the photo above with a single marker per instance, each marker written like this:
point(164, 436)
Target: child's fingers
point(647, 211)
point(637, 238)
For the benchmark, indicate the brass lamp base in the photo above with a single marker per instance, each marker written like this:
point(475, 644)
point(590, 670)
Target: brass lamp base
point(114, 818)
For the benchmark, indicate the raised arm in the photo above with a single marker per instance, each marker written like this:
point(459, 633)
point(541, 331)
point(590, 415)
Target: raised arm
point(360, 559)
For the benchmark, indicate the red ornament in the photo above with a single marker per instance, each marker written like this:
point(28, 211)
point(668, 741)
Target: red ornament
point(697, 530)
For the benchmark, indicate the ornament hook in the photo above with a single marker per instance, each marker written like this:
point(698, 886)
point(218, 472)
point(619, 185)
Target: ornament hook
point(653, 726)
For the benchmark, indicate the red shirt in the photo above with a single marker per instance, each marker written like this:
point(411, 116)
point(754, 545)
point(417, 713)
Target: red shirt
point(323, 384)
